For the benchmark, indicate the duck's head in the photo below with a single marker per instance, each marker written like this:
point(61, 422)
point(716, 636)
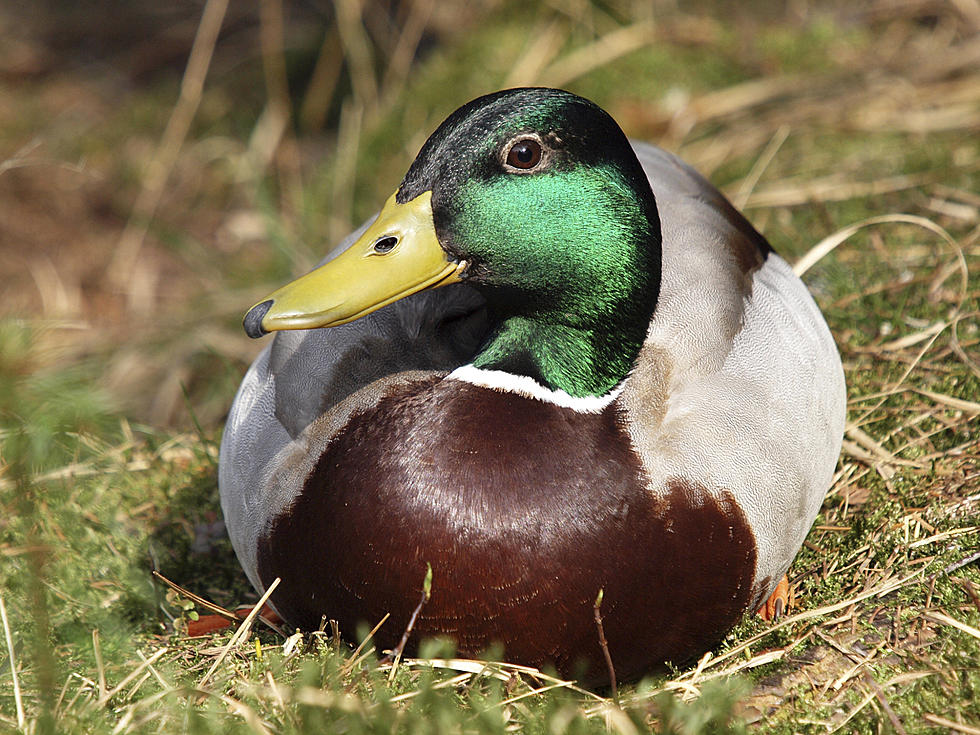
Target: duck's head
point(535, 198)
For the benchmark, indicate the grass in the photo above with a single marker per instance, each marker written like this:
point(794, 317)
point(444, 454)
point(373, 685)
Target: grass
point(112, 392)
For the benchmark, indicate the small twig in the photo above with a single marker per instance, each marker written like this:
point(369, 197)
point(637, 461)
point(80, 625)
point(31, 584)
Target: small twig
point(962, 563)
point(196, 599)
point(604, 645)
point(400, 648)
point(13, 665)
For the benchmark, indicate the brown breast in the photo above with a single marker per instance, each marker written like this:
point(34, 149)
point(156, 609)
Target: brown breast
point(524, 510)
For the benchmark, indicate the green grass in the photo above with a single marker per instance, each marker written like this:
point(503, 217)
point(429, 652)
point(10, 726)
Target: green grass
point(109, 414)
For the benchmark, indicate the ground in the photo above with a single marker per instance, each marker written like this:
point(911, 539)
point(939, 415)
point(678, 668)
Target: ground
point(151, 190)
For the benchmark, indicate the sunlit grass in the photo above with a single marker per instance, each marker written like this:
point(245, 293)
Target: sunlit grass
point(105, 476)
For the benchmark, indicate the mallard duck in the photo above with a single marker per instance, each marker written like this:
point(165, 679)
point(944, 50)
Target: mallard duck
point(556, 363)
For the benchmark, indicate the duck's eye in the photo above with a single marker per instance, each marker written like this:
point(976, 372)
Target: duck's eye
point(524, 154)
point(385, 244)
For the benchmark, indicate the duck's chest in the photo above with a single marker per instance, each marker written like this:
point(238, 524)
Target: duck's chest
point(524, 510)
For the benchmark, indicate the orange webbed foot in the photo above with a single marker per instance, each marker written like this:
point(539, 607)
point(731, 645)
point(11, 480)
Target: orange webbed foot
point(777, 603)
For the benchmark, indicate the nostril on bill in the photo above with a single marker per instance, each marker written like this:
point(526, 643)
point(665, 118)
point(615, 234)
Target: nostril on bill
point(385, 244)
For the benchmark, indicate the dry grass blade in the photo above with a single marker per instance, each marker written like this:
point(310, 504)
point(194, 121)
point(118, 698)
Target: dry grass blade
point(271, 33)
point(616, 720)
point(541, 49)
point(739, 98)
point(357, 45)
point(831, 189)
point(529, 693)
point(323, 81)
point(458, 679)
point(910, 340)
point(79, 469)
point(126, 721)
point(689, 685)
point(953, 533)
point(126, 258)
point(861, 455)
point(273, 123)
point(345, 167)
point(18, 702)
point(21, 157)
point(315, 697)
point(472, 666)
point(500, 671)
point(955, 726)
point(853, 713)
point(241, 632)
point(957, 403)
point(400, 62)
point(830, 243)
point(156, 674)
point(611, 46)
point(104, 698)
point(885, 705)
point(759, 167)
point(354, 657)
point(875, 448)
point(99, 665)
point(248, 714)
point(945, 619)
point(897, 385)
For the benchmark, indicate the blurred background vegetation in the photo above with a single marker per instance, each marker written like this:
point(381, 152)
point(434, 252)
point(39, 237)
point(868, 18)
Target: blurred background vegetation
point(136, 227)
point(163, 165)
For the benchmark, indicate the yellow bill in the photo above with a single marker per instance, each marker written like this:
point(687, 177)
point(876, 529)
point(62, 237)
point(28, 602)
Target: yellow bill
point(398, 255)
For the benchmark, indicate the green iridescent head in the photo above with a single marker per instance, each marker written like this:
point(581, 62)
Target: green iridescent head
point(540, 192)
point(538, 201)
